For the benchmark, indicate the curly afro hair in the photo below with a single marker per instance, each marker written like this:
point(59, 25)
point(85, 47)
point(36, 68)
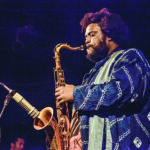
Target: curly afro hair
point(110, 24)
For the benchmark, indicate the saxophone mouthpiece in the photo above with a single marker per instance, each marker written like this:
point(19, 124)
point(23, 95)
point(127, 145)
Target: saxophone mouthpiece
point(83, 47)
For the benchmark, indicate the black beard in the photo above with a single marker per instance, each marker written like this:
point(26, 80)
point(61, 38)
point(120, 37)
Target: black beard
point(98, 55)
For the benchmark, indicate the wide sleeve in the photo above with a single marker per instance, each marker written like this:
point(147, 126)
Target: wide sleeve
point(127, 86)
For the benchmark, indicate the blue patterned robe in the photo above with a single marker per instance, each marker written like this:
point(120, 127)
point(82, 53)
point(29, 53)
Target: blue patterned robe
point(113, 103)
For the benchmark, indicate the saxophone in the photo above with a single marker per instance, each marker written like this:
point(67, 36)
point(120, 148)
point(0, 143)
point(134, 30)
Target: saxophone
point(58, 133)
point(62, 110)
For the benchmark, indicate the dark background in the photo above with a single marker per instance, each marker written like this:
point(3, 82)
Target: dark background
point(29, 31)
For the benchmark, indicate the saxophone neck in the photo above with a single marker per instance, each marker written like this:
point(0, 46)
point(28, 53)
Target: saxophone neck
point(60, 46)
point(66, 46)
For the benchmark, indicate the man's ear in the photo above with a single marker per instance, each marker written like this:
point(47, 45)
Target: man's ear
point(108, 40)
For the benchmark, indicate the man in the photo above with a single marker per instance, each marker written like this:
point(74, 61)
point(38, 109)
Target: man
point(112, 102)
point(18, 145)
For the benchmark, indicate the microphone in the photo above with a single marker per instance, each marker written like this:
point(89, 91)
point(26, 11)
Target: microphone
point(32, 111)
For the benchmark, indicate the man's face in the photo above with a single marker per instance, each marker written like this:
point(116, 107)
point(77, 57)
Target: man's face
point(19, 145)
point(96, 43)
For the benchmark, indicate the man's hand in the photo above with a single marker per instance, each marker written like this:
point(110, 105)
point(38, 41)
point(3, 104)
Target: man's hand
point(64, 94)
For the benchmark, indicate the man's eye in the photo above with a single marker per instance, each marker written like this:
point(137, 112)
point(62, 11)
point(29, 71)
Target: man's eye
point(92, 34)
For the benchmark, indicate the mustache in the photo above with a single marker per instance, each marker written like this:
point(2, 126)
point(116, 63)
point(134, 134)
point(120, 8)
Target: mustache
point(89, 45)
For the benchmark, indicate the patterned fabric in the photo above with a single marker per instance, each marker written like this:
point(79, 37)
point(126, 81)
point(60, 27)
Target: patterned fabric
point(75, 140)
point(113, 103)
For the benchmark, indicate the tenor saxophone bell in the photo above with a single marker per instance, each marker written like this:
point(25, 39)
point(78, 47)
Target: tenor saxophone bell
point(45, 121)
point(44, 118)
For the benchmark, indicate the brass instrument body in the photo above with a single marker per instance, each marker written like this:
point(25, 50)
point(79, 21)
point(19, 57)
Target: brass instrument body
point(48, 123)
point(62, 110)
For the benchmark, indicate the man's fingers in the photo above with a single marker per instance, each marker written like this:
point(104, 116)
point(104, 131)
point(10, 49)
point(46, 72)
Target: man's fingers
point(58, 103)
point(59, 92)
point(59, 98)
point(58, 89)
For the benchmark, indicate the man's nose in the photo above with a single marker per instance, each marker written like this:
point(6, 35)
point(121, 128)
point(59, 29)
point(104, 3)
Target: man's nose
point(88, 39)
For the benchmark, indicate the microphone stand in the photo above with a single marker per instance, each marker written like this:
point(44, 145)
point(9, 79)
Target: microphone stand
point(7, 99)
point(0, 136)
